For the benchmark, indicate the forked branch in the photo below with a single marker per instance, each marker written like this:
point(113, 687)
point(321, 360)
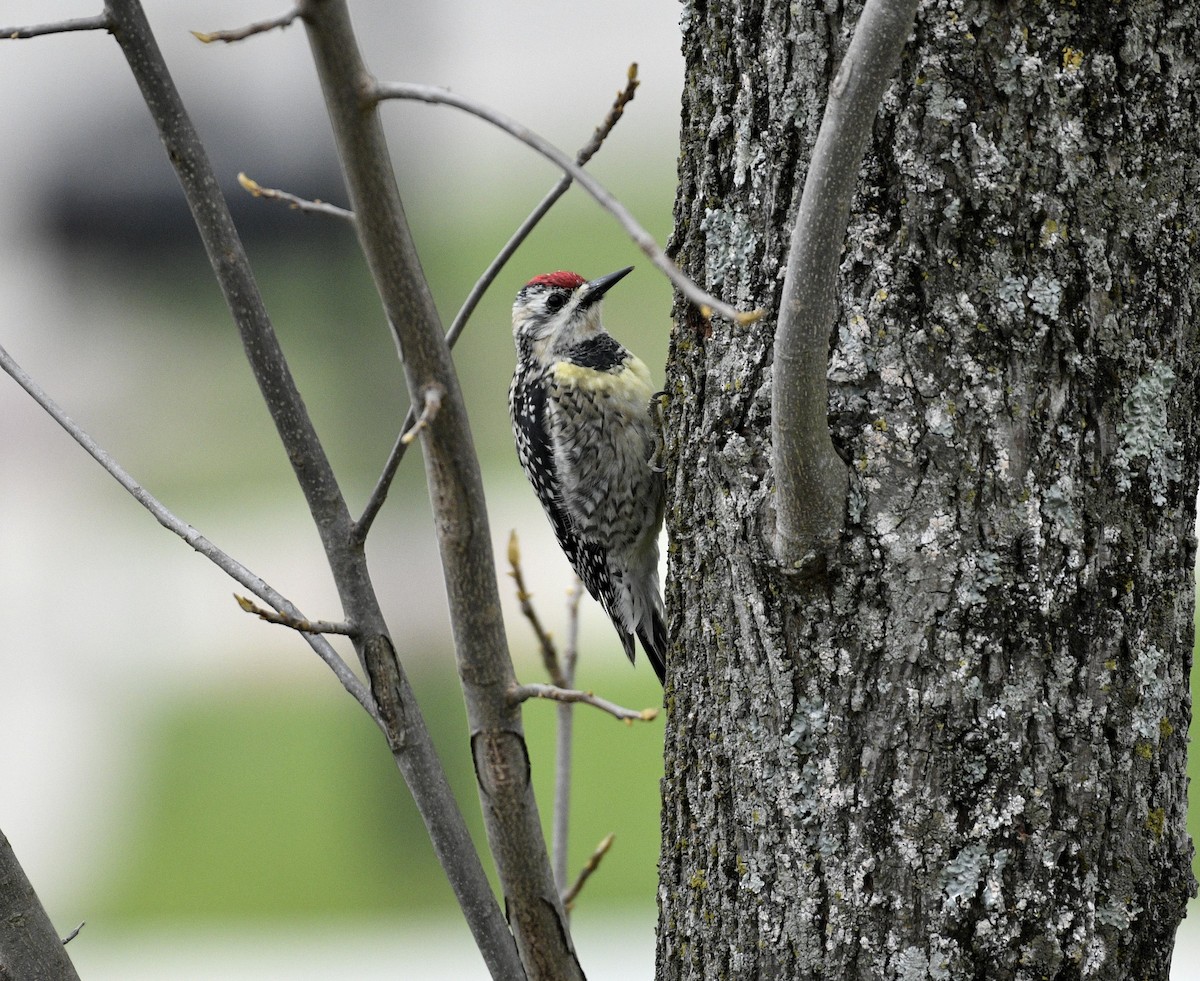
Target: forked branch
point(226, 563)
point(500, 756)
point(624, 97)
point(560, 690)
point(706, 302)
point(400, 718)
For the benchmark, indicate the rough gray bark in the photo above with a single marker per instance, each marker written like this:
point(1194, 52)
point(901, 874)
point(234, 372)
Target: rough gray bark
point(810, 477)
point(959, 751)
point(29, 946)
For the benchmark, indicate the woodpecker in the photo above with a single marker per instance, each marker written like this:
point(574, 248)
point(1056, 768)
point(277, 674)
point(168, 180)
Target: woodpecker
point(587, 432)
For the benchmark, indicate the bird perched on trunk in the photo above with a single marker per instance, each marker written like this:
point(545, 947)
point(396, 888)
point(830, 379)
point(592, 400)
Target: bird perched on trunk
point(587, 431)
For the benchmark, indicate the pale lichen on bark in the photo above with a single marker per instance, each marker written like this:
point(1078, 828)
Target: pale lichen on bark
point(962, 750)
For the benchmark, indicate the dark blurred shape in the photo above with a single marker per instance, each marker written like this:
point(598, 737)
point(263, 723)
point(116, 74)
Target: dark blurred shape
point(114, 191)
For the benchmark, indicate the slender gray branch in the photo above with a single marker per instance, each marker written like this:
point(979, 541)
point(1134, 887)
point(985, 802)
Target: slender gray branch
point(522, 693)
point(98, 23)
point(291, 200)
point(400, 717)
point(560, 833)
point(707, 303)
point(74, 933)
point(226, 563)
point(546, 645)
point(29, 944)
point(810, 478)
point(241, 33)
point(562, 677)
point(456, 491)
point(433, 405)
point(589, 867)
point(299, 624)
point(624, 97)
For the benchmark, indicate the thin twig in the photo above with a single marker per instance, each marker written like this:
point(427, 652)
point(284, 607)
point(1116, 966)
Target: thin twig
point(624, 97)
point(295, 203)
point(74, 933)
point(100, 22)
point(433, 403)
point(705, 301)
point(522, 693)
point(240, 33)
point(299, 625)
point(571, 651)
point(227, 564)
point(564, 737)
point(593, 863)
point(545, 642)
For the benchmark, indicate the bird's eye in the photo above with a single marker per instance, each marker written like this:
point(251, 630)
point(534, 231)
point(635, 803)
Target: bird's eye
point(555, 302)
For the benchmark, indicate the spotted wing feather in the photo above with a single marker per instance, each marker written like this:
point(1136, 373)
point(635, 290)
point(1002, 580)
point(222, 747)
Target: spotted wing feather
point(529, 407)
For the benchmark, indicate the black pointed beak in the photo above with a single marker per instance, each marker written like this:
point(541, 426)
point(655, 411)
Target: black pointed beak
point(596, 288)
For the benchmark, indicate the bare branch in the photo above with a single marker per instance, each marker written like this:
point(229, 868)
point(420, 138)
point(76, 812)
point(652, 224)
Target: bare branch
point(399, 716)
point(545, 642)
point(100, 22)
point(433, 404)
point(294, 202)
point(74, 933)
point(585, 873)
point(571, 651)
point(261, 27)
point(624, 97)
point(706, 302)
point(810, 477)
point(563, 677)
point(522, 693)
point(500, 756)
point(226, 563)
point(299, 625)
point(560, 832)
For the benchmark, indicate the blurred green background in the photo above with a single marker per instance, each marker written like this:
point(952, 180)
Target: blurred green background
point(274, 805)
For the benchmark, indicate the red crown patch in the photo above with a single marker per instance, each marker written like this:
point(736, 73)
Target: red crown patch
point(567, 280)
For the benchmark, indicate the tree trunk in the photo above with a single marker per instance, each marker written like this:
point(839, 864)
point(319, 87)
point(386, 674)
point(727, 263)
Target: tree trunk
point(30, 950)
point(958, 749)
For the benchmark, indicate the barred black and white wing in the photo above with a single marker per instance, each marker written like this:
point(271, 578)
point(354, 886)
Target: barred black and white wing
point(581, 439)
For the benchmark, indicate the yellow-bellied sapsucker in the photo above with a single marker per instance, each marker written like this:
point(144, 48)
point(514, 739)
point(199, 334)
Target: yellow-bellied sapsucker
point(587, 432)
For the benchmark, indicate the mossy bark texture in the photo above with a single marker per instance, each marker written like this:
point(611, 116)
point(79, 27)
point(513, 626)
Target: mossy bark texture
point(957, 750)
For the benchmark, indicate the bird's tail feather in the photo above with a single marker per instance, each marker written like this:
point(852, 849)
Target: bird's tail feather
point(626, 641)
point(654, 641)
